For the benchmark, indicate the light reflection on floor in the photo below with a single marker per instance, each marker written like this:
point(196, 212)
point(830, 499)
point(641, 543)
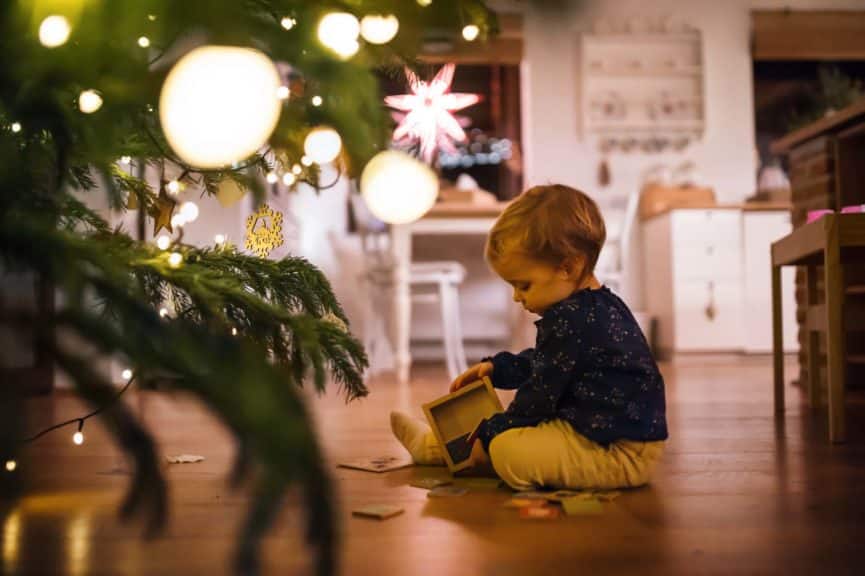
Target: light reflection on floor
point(65, 517)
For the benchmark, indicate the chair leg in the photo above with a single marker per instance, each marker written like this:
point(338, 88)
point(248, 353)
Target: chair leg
point(457, 328)
point(777, 340)
point(813, 341)
point(836, 348)
point(446, 300)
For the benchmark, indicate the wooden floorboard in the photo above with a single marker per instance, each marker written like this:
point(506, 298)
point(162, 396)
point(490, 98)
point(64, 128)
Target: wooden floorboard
point(737, 493)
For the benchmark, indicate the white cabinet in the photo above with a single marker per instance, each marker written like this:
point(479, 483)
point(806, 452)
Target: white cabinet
point(760, 230)
point(708, 282)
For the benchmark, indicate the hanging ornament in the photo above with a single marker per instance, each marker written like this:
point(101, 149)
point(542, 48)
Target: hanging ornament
point(161, 212)
point(322, 144)
point(264, 231)
point(429, 119)
point(397, 188)
point(219, 105)
point(229, 192)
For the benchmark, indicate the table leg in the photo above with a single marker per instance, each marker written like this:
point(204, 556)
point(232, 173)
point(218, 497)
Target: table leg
point(813, 340)
point(401, 317)
point(836, 347)
point(777, 339)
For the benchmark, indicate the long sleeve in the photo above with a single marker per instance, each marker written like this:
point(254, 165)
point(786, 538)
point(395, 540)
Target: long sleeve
point(555, 361)
point(511, 370)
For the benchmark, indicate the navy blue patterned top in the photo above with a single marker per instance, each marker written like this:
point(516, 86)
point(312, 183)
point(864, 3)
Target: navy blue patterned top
point(591, 366)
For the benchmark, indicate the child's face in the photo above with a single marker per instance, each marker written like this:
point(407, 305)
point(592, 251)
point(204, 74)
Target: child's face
point(538, 285)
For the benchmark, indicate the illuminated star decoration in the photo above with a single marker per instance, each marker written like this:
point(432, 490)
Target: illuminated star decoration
point(428, 119)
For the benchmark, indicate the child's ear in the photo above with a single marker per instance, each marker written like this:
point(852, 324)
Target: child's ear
point(571, 268)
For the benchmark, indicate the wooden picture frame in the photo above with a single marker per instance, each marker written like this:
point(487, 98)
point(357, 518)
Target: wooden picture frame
point(455, 416)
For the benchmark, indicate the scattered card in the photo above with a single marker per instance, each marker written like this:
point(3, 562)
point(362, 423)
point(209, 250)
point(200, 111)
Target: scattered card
point(184, 459)
point(534, 495)
point(539, 513)
point(479, 483)
point(446, 492)
point(560, 495)
point(607, 496)
point(378, 464)
point(524, 503)
point(430, 483)
point(581, 507)
point(378, 511)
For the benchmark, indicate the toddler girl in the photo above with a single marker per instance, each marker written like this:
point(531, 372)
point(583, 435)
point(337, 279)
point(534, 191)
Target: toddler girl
point(589, 411)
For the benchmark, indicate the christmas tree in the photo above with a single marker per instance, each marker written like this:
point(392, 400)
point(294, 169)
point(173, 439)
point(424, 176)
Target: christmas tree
point(93, 99)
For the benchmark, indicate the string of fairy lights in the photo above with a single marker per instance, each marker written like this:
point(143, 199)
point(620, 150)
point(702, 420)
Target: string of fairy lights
point(78, 436)
point(192, 83)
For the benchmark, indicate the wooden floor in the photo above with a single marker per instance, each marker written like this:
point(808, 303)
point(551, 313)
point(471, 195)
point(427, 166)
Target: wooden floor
point(737, 493)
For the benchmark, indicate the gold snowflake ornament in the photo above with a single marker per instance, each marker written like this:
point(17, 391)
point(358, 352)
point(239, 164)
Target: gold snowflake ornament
point(264, 231)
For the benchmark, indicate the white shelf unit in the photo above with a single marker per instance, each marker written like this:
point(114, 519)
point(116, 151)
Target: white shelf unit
point(643, 83)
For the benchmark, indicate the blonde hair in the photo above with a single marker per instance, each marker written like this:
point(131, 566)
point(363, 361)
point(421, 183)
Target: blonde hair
point(552, 223)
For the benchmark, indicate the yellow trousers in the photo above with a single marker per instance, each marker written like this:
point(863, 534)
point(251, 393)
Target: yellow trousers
point(553, 455)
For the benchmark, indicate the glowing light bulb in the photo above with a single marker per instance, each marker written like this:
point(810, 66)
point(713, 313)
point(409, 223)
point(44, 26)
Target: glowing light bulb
point(424, 3)
point(11, 465)
point(338, 31)
point(78, 438)
point(219, 239)
point(272, 177)
point(189, 211)
point(163, 242)
point(316, 100)
point(173, 187)
point(296, 169)
point(306, 160)
point(16, 127)
point(379, 29)
point(470, 32)
point(234, 331)
point(144, 41)
point(89, 101)
point(125, 159)
point(126, 374)
point(175, 259)
point(288, 22)
point(398, 188)
point(178, 221)
point(283, 92)
point(163, 312)
point(217, 105)
point(323, 145)
point(54, 31)
point(288, 178)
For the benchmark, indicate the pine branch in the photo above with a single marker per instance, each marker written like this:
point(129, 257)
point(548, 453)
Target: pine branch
point(290, 326)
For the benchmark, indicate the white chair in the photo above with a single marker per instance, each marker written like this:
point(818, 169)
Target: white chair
point(615, 273)
point(431, 282)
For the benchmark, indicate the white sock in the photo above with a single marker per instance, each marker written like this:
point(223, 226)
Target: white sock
point(417, 438)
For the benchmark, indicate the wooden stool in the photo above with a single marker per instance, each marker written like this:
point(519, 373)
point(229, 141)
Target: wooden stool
point(819, 243)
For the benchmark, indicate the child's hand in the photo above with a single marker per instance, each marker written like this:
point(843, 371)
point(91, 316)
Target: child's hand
point(476, 372)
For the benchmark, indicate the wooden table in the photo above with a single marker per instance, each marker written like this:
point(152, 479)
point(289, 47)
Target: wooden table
point(445, 218)
point(818, 243)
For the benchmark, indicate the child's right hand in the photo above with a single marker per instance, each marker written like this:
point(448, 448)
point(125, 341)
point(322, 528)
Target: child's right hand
point(476, 372)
